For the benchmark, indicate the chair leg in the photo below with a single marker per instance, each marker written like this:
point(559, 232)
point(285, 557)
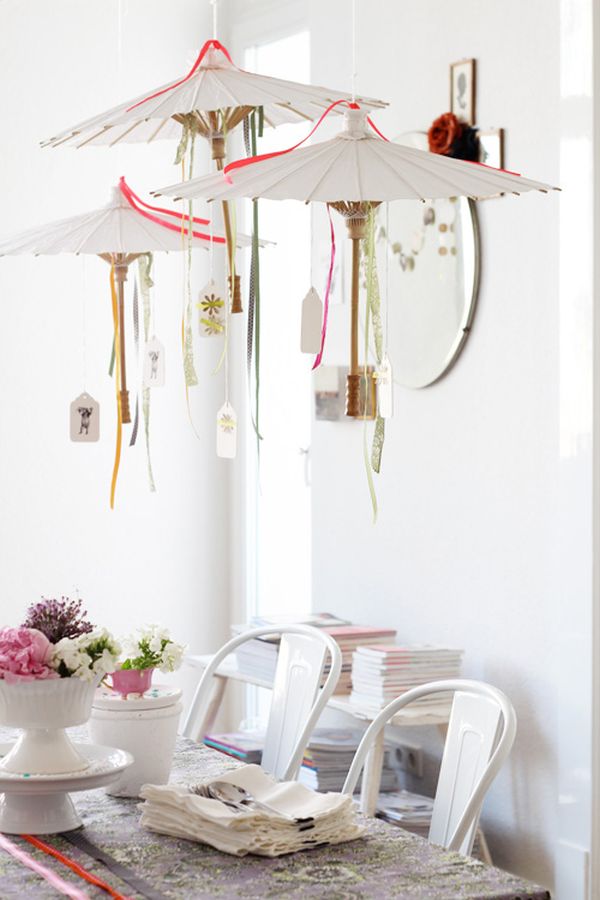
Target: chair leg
point(372, 776)
point(206, 719)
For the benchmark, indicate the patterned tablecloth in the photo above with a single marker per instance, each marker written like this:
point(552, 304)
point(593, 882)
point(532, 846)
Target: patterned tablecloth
point(387, 863)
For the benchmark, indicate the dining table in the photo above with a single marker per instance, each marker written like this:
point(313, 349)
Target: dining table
point(387, 862)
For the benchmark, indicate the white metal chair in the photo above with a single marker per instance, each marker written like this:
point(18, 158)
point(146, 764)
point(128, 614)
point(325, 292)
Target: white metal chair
point(297, 701)
point(473, 755)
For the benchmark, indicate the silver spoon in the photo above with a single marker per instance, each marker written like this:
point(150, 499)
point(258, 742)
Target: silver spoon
point(238, 797)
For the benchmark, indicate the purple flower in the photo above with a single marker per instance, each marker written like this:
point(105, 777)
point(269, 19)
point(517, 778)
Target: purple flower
point(58, 619)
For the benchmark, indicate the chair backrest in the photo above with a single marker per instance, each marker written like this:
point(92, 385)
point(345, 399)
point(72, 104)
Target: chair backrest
point(297, 700)
point(473, 755)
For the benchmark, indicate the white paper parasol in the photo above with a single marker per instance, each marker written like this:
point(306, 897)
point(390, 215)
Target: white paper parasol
point(214, 96)
point(119, 232)
point(353, 173)
point(211, 100)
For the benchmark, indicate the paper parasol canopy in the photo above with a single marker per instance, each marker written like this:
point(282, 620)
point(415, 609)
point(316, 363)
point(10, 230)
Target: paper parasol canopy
point(119, 228)
point(119, 232)
point(211, 100)
point(215, 95)
point(353, 173)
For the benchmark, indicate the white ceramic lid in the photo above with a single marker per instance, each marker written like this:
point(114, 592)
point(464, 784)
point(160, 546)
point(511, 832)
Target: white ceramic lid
point(159, 696)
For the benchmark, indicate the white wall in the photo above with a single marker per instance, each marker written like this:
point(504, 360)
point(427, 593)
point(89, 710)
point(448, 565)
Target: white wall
point(483, 539)
point(157, 557)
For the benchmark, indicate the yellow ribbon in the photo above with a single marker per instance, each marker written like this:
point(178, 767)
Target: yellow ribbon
point(115, 474)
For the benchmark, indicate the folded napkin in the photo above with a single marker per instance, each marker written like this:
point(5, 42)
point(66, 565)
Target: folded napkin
point(300, 818)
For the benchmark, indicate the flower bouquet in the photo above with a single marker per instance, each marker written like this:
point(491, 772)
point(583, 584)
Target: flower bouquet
point(50, 667)
point(148, 649)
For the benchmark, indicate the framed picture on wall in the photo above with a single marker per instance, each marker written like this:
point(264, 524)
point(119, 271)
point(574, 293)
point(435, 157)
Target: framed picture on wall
point(491, 147)
point(462, 90)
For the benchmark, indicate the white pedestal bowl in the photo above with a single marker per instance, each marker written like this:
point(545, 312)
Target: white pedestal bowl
point(43, 709)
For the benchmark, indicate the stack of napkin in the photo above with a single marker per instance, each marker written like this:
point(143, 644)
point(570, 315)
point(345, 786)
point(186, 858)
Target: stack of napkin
point(297, 818)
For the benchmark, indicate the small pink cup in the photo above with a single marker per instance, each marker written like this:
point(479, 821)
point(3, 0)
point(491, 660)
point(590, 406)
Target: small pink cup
point(131, 681)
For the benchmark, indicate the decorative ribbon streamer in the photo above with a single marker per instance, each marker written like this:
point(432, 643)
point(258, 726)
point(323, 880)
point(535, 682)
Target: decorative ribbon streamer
point(183, 219)
point(117, 462)
point(319, 356)
point(374, 309)
point(367, 460)
point(209, 45)
point(74, 866)
point(191, 378)
point(130, 196)
point(144, 269)
point(140, 885)
point(136, 337)
point(58, 883)
point(241, 163)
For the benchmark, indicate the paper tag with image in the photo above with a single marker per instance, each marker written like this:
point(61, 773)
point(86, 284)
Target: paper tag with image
point(385, 389)
point(311, 323)
point(154, 364)
point(211, 309)
point(226, 432)
point(84, 419)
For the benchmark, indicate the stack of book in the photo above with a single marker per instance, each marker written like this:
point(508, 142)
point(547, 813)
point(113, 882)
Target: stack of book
point(258, 657)
point(245, 746)
point(329, 756)
point(413, 813)
point(382, 672)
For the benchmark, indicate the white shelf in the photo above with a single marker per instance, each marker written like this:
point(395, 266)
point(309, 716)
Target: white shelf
point(434, 714)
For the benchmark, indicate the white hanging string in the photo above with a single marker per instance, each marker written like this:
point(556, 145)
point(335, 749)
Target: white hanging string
point(83, 325)
point(118, 154)
point(211, 250)
point(387, 277)
point(353, 50)
point(226, 342)
point(214, 4)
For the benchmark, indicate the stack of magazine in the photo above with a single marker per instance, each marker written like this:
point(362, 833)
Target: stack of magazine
point(413, 813)
point(382, 672)
point(258, 657)
point(243, 745)
point(329, 756)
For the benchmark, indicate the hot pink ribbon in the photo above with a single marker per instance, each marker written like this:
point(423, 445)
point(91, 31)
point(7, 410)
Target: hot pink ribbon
point(319, 356)
point(58, 883)
point(209, 45)
point(183, 220)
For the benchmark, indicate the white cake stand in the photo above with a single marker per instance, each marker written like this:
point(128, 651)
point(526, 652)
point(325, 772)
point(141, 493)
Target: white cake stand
point(40, 804)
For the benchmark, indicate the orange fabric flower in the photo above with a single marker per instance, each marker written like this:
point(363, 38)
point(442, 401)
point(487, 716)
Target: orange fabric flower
point(443, 132)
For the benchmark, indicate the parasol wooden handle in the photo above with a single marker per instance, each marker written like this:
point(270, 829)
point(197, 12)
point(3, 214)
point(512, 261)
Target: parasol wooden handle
point(218, 154)
point(121, 274)
point(356, 230)
point(353, 405)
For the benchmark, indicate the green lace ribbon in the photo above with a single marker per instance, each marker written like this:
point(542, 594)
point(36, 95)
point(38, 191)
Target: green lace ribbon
point(145, 280)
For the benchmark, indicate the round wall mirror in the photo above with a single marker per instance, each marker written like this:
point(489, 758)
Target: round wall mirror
point(433, 259)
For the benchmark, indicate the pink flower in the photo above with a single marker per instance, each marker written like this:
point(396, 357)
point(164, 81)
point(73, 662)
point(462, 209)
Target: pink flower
point(24, 655)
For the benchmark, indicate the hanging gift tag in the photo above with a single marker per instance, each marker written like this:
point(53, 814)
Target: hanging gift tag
point(211, 308)
point(312, 323)
point(226, 432)
point(385, 389)
point(85, 419)
point(154, 364)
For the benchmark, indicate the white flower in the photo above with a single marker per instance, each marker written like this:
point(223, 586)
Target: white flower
point(88, 656)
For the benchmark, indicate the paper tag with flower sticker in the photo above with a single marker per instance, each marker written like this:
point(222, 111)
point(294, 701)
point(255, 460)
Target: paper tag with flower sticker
point(226, 432)
point(385, 389)
point(84, 419)
point(311, 323)
point(154, 364)
point(211, 308)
